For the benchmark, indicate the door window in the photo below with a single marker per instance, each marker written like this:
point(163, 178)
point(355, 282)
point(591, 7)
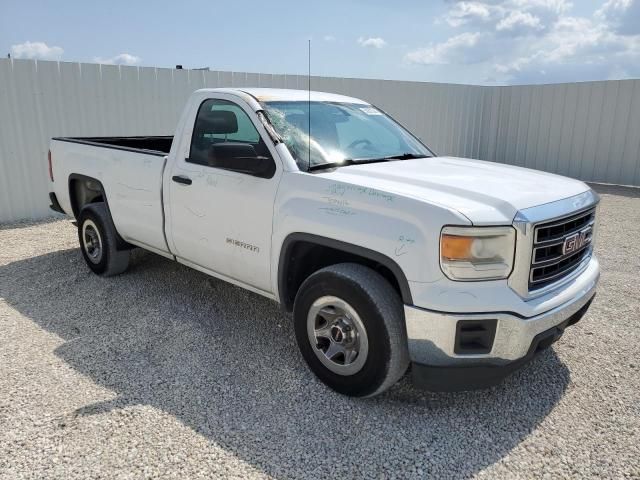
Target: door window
point(225, 137)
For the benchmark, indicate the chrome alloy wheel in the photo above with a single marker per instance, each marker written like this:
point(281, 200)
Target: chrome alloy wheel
point(92, 241)
point(337, 335)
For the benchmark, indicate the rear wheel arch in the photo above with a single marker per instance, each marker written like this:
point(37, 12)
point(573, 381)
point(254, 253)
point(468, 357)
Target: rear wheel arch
point(84, 190)
point(302, 254)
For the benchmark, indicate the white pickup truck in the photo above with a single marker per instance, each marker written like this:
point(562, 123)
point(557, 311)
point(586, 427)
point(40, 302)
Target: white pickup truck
point(387, 255)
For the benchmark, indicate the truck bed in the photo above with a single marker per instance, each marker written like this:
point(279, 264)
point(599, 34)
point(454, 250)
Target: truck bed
point(159, 145)
point(129, 170)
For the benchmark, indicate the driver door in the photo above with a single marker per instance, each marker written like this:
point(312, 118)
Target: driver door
point(222, 190)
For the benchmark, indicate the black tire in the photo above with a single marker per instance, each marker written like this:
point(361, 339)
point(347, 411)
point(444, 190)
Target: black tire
point(95, 228)
point(379, 309)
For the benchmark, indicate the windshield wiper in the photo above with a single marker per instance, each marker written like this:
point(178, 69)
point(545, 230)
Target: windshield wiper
point(342, 163)
point(401, 156)
point(360, 161)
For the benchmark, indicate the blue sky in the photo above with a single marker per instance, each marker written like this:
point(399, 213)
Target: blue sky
point(479, 42)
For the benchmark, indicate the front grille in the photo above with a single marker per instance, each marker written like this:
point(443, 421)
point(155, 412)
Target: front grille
point(559, 247)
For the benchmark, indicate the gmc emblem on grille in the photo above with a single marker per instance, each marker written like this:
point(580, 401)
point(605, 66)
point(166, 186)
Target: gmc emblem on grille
point(575, 242)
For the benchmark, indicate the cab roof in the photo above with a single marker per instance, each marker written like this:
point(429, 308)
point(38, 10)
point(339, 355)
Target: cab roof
point(287, 95)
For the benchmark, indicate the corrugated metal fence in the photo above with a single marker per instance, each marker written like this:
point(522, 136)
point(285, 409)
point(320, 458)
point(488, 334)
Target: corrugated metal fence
point(589, 130)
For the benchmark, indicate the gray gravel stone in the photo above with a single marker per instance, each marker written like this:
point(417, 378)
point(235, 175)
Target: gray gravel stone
point(165, 372)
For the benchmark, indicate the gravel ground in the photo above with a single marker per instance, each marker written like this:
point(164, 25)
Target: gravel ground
point(165, 372)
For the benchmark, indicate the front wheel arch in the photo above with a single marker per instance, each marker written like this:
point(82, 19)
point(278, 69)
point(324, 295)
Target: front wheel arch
point(302, 254)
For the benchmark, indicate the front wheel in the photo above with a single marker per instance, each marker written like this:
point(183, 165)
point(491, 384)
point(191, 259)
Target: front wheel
point(349, 325)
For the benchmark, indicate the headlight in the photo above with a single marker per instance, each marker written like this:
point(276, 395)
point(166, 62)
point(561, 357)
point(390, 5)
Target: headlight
point(477, 253)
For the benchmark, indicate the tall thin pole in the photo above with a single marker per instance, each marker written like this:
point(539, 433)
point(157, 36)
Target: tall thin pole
point(309, 102)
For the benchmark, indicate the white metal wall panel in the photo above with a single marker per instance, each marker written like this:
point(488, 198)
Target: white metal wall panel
point(630, 167)
point(587, 130)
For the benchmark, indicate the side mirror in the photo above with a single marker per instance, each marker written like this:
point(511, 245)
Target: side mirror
point(240, 157)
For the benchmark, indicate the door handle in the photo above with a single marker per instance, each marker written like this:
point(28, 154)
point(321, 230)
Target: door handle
point(181, 179)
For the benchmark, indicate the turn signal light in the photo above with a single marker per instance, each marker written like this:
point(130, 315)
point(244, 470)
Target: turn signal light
point(456, 247)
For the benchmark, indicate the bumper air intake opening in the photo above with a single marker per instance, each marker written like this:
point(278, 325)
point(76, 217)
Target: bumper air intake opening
point(475, 336)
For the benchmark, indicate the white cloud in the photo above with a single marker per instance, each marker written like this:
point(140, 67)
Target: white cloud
point(557, 6)
point(466, 12)
point(612, 6)
point(373, 42)
point(514, 16)
point(454, 50)
point(36, 50)
point(329, 38)
point(517, 18)
point(121, 59)
point(576, 44)
point(623, 16)
point(522, 41)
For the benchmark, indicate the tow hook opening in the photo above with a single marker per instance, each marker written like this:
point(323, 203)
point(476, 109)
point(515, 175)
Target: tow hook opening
point(475, 336)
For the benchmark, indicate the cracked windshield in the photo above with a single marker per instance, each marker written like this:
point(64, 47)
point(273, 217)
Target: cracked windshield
point(341, 133)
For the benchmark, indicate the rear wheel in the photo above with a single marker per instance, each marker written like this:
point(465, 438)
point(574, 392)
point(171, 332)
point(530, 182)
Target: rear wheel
point(349, 326)
point(99, 240)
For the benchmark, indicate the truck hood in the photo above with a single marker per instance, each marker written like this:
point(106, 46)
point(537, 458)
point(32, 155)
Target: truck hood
point(484, 192)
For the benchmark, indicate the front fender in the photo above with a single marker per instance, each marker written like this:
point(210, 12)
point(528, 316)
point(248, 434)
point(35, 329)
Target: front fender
point(400, 228)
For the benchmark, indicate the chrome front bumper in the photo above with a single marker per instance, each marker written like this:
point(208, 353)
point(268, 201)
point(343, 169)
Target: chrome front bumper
point(432, 335)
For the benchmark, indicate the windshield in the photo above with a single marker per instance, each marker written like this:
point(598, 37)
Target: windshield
point(341, 133)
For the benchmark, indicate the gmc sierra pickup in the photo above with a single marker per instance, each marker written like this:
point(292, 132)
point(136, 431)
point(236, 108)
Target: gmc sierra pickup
point(387, 255)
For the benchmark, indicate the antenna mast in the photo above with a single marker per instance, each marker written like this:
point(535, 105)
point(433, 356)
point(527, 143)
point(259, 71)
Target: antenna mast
point(309, 103)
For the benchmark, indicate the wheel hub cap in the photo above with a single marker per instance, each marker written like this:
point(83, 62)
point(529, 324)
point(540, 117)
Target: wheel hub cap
point(91, 241)
point(337, 335)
